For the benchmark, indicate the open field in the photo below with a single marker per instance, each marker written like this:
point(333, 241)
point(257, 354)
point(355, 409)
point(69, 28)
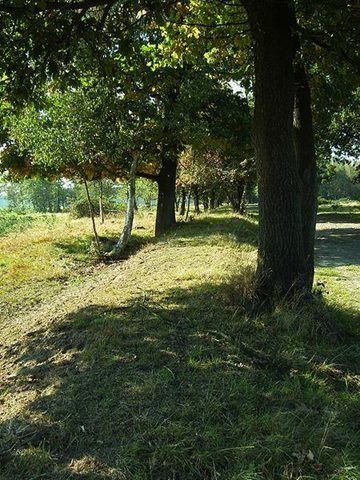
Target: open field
point(154, 367)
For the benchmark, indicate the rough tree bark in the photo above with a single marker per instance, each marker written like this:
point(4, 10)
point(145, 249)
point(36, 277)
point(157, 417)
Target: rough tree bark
point(306, 156)
point(281, 262)
point(129, 218)
point(165, 213)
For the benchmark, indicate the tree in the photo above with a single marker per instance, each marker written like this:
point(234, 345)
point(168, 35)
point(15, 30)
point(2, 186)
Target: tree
point(285, 34)
point(219, 159)
point(79, 134)
point(129, 218)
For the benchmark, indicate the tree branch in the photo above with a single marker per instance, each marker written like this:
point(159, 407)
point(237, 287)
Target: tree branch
point(148, 176)
point(317, 39)
point(54, 5)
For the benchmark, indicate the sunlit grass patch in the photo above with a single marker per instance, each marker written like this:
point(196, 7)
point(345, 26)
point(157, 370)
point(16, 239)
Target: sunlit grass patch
point(52, 252)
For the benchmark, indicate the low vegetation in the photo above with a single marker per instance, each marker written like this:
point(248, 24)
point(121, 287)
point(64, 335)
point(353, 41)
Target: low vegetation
point(157, 368)
point(40, 254)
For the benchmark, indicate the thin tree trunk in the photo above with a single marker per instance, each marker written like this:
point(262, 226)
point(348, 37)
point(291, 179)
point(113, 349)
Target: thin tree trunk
point(305, 151)
point(177, 202)
point(188, 204)
point(205, 202)
point(183, 201)
point(58, 205)
point(236, 198)
point(92, 215)
point(281, 263)
point(101, 203)
point(243, 200)
point(130, 211)
point(212, 200)
point(233, 203)
point(196, 199)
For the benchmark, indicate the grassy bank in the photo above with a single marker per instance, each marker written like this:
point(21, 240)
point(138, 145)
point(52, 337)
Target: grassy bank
point(40, 254)
point(152, 368)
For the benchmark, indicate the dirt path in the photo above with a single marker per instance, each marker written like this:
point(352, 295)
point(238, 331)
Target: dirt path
point(337, 254)
point(338, 244)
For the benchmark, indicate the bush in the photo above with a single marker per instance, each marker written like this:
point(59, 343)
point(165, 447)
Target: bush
point(80, 207)
point(13, 221)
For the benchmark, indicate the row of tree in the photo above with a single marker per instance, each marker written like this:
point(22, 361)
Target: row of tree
point(138, 86)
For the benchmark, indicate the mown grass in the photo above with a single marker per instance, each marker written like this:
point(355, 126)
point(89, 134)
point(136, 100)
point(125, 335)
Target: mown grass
point(339, 210)
point(41, 254)
point(161, 374)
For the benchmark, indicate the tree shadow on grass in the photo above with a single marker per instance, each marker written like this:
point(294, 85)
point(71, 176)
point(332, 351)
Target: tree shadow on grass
point(186, 388)
point(338, 217)
point(210, 228)
point(338, 246)
point(81, 246)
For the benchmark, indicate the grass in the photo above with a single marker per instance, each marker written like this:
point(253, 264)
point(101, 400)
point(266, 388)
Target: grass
point(43, 253)
point(13, 221)
point(153, 369)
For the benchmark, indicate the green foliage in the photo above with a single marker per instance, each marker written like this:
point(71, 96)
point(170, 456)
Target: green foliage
point(73, 134)
point(146, 192)
point(79, 206)
point(14, 221)
point(38, 194)
point(341, 184)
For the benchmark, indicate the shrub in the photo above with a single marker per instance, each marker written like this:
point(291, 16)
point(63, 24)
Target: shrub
point(80, 207)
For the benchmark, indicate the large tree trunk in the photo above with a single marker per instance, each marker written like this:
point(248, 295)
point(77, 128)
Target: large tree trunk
point(129, 218)
point(281, 252)
point(305, 151)
point(165, 213)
